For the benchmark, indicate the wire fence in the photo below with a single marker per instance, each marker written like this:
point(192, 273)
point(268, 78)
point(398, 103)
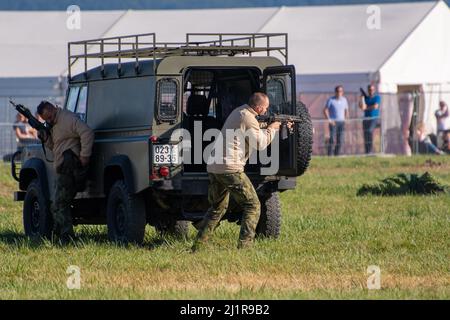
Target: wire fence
point(8, 117)
point(394, 132)
point(8, 142)
point(349, 137)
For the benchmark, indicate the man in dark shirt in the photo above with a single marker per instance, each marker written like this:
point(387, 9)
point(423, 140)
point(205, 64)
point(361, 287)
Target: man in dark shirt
point(371, 107)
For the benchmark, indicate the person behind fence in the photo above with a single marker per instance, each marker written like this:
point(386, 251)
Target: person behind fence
point(336, 111)
point(25, 134)
point(227, 177)
point(426, 146)
point(370, 104)
point(443, 119)
point(446, 144)
point(71, 141)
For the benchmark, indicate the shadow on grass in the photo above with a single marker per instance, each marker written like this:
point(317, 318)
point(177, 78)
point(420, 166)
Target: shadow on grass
point(14, 238)
point(84, 236)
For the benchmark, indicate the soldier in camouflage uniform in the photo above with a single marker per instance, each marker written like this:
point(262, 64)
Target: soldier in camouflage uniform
point(65, 191)
point(227, 177)
point(71, 141)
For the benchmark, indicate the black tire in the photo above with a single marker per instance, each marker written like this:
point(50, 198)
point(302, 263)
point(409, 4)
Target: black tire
point(304, 139)
point(178, 229)
point(37, 219)
point(269, 224)
point(125, 215)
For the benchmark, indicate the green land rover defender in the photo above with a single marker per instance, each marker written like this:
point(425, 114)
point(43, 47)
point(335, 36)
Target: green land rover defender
point(135, 93)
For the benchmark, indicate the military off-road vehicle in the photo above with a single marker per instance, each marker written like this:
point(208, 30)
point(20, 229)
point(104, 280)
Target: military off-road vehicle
point(134, 93)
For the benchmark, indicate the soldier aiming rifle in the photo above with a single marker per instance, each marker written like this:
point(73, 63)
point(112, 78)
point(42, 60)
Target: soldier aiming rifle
point(286, 121)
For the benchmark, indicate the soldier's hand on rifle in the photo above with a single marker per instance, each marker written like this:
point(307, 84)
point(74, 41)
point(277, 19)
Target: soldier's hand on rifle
point(274, 125)
point(289, 124)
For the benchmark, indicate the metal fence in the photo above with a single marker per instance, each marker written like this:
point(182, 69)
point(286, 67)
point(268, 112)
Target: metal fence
point(399, 116)
point(352, 142)
point(8, 142)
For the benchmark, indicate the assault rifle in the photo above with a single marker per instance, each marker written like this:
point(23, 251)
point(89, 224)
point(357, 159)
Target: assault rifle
point(42, 128)
point(363, 93)
point(32, 121)
point(284, 119)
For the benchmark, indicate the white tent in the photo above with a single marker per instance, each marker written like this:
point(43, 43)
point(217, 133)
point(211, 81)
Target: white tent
point(329, 45)
point(326, 42)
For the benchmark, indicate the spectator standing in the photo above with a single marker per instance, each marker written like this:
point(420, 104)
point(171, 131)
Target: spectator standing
point(443, 118)
point(336, 111)
point(370, 104)
point(24, 132)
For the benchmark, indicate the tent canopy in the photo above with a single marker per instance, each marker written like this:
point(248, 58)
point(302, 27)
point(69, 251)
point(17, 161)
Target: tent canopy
point(325, 42)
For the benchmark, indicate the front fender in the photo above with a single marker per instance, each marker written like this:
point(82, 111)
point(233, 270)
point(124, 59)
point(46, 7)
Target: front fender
point(34, 168)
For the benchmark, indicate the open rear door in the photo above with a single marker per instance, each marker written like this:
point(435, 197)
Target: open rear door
point(279, 85)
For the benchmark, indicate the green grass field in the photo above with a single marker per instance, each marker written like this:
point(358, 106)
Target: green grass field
point(329, 238)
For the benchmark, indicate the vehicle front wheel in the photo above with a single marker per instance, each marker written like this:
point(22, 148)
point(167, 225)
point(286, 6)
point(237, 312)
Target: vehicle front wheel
point(37, 219)
point(269, 224)
point(125, 215)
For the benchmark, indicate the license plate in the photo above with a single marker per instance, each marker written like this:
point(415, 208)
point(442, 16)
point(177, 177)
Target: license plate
point(165, 154)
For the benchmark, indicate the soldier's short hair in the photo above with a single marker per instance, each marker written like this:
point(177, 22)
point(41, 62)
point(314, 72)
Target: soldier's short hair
point(43, 106)
point(257, 99)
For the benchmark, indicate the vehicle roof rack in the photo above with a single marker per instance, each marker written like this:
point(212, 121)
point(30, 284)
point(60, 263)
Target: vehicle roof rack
point(144, 46)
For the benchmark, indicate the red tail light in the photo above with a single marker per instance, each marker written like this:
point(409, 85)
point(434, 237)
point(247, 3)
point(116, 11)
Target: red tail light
point(154, 139)
point(164, 171)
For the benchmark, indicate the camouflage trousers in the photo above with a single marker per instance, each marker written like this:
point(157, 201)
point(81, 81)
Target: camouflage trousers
point(65, 191)
point(221, 187)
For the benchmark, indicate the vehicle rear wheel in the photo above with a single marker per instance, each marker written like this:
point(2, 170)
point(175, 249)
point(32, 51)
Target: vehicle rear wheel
point(304, 139)
point(125, 215)
point(171, 227)
point(269, 224)
point(37, 219)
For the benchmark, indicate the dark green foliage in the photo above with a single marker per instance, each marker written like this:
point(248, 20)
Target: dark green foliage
point(402, 184)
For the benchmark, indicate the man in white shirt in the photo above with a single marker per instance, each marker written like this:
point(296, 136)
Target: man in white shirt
point(336, 111)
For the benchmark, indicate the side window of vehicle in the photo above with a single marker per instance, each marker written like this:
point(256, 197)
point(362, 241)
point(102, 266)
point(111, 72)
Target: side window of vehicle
point(82, 102)
point(167, 100)
point(275, 91)
point(72, 98)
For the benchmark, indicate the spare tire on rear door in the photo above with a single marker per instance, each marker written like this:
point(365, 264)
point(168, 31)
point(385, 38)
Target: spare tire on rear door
point(304, 139)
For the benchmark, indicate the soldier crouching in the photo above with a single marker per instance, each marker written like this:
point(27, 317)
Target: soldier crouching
point(71, 141)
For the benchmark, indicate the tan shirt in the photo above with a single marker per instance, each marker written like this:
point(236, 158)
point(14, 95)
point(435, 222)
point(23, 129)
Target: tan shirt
point(69, 132)
point(237, 151)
